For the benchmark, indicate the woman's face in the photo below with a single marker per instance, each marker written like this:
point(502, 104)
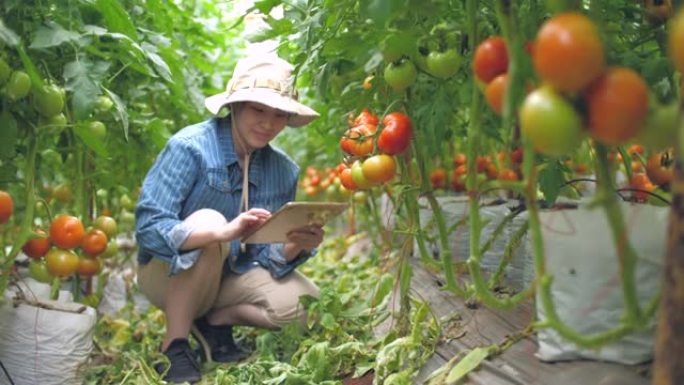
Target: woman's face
point(258, 123)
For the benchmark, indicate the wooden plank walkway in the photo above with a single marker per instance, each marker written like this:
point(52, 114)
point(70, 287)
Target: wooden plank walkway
point(517, 365)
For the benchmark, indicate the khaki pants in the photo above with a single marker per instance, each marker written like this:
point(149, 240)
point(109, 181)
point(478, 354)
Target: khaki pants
point(278, 299)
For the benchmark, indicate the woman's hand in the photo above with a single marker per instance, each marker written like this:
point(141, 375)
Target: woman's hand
point(244, 223)
point(303, 238)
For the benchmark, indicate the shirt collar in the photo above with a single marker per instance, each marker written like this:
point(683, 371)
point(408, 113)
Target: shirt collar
point(256, 160)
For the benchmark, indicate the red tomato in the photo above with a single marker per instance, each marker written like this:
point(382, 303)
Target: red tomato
point(379, 168)
point(66, 231)
point(659, 168)
point(346, 179)
point(617, 105)
point(61, 263)
point(395, 136)
point(568, 52)
point(87, 267)
point(37, 247)
point(366, 117)
point(490, 59)
point(495, 92)
point(508, 175)
point(6, 207)
point(460, 159)
point(438, 178)
point(457, 183)
point(94, 242)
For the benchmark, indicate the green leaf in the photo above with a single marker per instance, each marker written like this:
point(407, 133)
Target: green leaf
point(383, 288)
point(550, 180)
point(265, 6)
point(83, 78)
point(116, 18)
point(120, 110)
point(380, 11)
point(8, 135)
point(159, 63)
point(52, 35)
point(469, 363)
point(7, 35)
point(328, 321)
point(8, 173)
point(91, 140)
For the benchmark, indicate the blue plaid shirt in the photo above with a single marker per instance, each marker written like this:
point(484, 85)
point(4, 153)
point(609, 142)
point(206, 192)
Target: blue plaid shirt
point(198, 168)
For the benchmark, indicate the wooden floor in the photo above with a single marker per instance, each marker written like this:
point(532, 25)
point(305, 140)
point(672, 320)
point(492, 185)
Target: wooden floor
point(518, 365)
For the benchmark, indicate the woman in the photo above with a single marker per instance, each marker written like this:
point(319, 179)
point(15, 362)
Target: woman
point(211, 184)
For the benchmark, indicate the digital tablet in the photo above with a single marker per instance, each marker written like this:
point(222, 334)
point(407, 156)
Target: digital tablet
point(291, 216)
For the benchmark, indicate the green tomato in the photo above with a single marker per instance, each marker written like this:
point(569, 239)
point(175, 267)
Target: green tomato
point(126, 202)
point(443, 65)
point(5, 71)
point(126, 219)
point(49, 101)
point(358, 177)
point(107, 225)
point(397, 45)
point(18, 86)
point(111, 250)
point(103, 103)
point(550, 122)
point(38, 271)
point(400, 76)
point(660, 130)
point(98, 129)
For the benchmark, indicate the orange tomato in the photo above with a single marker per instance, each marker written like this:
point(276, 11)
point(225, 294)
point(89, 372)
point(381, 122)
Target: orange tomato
point(87, 267)
point(438, 178)
point(659, 168)
point(495, 92)
point(568, 52)
point(357, 141)
point(617, 105)
point(94, 242)
point(6, 207)
point(37, 247)
point(66, 231)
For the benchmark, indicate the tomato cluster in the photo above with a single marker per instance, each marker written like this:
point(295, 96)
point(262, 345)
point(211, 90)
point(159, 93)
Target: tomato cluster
point(53, 254)
point(504, 166)
point(370, 148)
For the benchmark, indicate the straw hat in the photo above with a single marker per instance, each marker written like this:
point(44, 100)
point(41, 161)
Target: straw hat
point(266, 79)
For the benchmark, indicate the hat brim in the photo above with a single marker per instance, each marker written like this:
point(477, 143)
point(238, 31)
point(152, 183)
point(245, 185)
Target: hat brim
point(300, 114)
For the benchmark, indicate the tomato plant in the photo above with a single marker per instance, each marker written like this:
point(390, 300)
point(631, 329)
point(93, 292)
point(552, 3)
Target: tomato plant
point(379, 168)
point(401, 75)
point(395, 136)
point(443, 64)
point(660, 168)
point(490, 59)
point(61, 263)
point(568, 52)
point(37, 247)
point(550, 122)
point(5, 71)
point(66, 231)
point(617, 104)
point(94, 242)
point(6, 206)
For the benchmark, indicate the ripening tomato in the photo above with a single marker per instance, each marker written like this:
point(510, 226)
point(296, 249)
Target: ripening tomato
point(37, 247)
point(457, 183)
point(495, 91)
point(366, 117)
point(550, 122)
point(94, 242)
point(641, 182)
point(395, 136)
point(61, 263)
point(659, 168)
point(617, 104)
point(490, 59)
point(676, 41)
point(568, 52)
point(357, 141)
point(508, 174)
point(87, 267)
point(438, 178)
point(459, 159)
point(346, 179)
point(379, 168)
point(63, 193)
point(6, 206)
point(66, 231)
point(358, 177)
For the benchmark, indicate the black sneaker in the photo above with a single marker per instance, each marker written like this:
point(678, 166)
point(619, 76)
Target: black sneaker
point(216, 342)
point(184, 363)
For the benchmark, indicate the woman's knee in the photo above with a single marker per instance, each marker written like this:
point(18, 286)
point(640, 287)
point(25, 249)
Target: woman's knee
point(291, 309)
point(206, 216)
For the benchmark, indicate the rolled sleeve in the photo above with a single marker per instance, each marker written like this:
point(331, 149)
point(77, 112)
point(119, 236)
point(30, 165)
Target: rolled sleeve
point(159, 229)
point(271, 257)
